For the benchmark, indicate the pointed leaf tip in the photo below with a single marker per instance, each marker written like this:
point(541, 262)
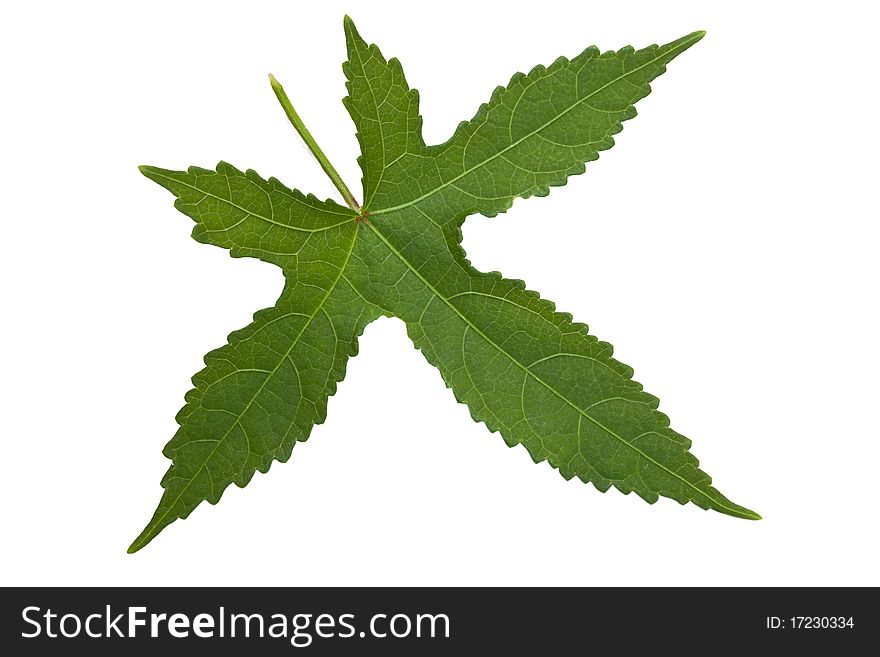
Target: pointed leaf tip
point(351, 31)
point(348, 24)
point(738, 511)
point(136, 545)
point(151, 531)
point(680, 45)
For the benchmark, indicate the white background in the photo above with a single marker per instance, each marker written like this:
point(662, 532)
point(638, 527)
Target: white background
point(727, 246)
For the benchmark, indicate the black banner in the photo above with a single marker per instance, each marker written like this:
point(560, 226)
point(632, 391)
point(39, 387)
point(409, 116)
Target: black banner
point(422, 621)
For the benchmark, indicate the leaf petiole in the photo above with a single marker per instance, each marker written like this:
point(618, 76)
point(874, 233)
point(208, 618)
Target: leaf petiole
point(303, 131)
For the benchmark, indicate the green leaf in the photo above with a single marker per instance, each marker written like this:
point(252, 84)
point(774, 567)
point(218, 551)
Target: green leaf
point(526, 370)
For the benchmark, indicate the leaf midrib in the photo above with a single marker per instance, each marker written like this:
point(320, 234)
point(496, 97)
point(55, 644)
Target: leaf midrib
point(538, 379)
point(682, 45)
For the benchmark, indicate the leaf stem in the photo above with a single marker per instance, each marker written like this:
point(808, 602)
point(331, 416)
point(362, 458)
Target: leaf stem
point(303, 131)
